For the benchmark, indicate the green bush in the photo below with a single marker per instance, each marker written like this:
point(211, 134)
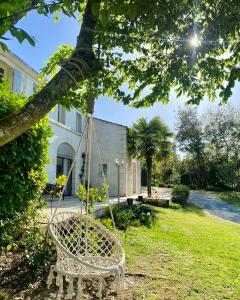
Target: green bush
point(135, 215)
point(3, 295)
point(38, 252)
point(22, 169)
point(107, 222)
point(175, 205)
point(180, 194)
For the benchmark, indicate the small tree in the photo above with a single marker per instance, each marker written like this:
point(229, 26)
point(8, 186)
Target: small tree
point(94, 195)
point(148, 141)
point(190, 139)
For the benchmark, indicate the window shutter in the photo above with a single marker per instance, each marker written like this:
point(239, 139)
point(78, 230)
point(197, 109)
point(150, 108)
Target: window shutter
point(17, 81)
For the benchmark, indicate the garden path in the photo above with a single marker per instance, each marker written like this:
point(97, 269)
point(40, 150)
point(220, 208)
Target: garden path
point(211, 202)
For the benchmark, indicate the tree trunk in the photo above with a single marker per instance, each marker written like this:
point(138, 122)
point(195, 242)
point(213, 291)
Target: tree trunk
point(149, 175)
point(14, 125)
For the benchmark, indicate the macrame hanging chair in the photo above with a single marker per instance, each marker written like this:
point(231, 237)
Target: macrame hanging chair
point(86, 250)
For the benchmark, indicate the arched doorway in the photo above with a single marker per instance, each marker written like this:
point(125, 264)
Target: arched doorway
point(65, 154)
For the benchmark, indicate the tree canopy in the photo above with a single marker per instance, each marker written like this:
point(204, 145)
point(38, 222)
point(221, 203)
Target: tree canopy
point(135, 51)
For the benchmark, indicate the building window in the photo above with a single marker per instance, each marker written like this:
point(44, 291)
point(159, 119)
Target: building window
point(17, 81)
point(78, 123)
point(1, 73)
point(103, 170)
point(61, 114)
point(35, 86)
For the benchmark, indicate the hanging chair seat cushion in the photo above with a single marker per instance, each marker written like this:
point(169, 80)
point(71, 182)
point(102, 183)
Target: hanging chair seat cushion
point(83, 243)
point(69, 266)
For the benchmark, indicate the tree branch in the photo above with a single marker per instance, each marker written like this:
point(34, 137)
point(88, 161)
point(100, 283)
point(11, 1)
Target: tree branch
point(11, 20)
point(14, 125)
point(21, 13)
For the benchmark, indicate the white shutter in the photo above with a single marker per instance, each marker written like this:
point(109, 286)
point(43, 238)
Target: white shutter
point(17, 81)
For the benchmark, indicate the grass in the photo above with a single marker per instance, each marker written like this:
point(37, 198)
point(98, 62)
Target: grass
point(185, 255)
point(230, 197)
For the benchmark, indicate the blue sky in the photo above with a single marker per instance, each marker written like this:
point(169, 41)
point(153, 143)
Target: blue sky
point(50, 35)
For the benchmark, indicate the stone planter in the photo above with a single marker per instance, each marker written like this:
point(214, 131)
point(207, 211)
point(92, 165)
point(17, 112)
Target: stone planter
point(157, 202)
point(130, 201)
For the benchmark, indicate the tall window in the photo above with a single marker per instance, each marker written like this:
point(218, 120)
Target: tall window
point(103, 170)
point(17, 81)
point(1, 73)
point(61, 114)
point(78, 123)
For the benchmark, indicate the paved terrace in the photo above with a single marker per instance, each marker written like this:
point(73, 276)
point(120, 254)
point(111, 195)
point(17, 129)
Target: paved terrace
point(73, 204)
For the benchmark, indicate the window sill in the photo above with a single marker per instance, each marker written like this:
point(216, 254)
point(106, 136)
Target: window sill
point(64, 126)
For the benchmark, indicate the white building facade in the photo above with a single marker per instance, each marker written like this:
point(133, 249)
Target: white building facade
point(67, 127)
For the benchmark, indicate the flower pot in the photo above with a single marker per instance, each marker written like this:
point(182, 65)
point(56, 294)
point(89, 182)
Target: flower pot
point(130, 201)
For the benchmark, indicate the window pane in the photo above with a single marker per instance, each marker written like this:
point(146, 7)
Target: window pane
point(17, 81)
point(1, 72)
point(103, 170)
point(61, 114)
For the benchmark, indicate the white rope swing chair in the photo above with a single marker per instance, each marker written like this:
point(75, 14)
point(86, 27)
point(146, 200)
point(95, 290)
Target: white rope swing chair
point(86, 250)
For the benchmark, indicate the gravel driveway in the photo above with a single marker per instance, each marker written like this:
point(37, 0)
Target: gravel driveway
point(211, 203)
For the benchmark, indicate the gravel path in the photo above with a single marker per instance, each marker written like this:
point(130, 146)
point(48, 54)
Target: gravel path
point(211, 203)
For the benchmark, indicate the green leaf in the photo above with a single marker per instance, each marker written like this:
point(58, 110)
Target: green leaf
point(9, 247)
point(4, 38)
point(4, 46)
point(21, 35)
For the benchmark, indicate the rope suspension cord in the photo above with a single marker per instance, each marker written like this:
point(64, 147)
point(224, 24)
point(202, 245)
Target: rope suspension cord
point(86, 161)
point(104, 176)
point(89, 158)
point(69, 172)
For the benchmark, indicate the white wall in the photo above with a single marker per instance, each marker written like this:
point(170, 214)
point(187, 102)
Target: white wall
point(64, 135)
point(111, 140)
point(28, 78)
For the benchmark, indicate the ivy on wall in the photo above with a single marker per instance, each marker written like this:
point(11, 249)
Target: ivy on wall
point(22, 161)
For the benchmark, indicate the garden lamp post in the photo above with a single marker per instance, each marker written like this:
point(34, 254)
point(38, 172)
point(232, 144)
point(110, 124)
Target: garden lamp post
point(118, 164)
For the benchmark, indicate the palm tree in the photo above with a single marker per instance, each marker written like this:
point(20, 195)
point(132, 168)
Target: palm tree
point(148, 141)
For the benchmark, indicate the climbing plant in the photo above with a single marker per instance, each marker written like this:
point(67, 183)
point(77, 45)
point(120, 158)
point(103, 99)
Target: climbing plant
point(22, 162)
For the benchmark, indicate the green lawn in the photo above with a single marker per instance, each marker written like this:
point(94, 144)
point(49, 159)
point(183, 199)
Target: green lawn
point(231, 197)
point(186, 255)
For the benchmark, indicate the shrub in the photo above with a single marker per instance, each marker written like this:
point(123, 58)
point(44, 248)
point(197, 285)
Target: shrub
point(180, 194)
point(22, 169)
point(175, 205)
point(22, 180)
point(123, 218)
point(3, 295)
point(38, 252)
point(107, 222)
point(24, 234)
point(94, 195)
point(135, 215)
point(22, 161)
